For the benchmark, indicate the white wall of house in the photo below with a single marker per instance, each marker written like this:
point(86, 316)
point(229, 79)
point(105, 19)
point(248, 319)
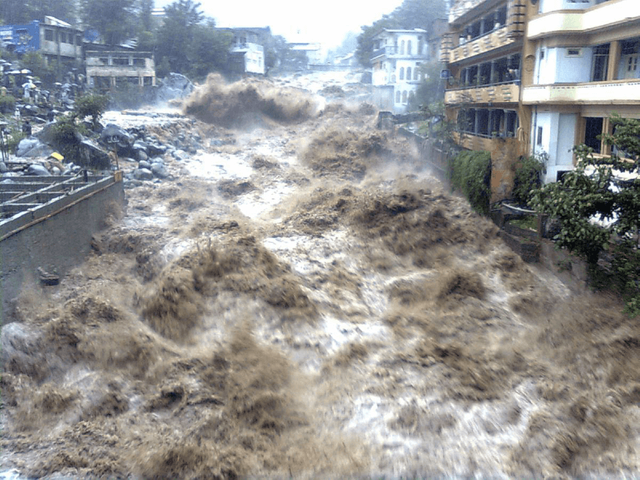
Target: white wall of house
point(254, 59)
point(554, 5)
point(563, 65)
point(554, 133)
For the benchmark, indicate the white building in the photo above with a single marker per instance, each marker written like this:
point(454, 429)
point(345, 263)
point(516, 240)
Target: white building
point(247, 52)
point(584, 56)
point(396, 59)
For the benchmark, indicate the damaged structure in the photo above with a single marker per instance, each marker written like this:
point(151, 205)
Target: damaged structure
point(246, 53)
point(46, 226)
point(108, 68)
point(532, 77)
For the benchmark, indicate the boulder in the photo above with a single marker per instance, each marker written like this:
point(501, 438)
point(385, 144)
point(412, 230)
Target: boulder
point(174, 86)
point(144, 164)
point(32, 147)
point(37, 170)
point(113, 135)
point(92, 156)
point(142, 174)
point(154, 149)
point(159, 170)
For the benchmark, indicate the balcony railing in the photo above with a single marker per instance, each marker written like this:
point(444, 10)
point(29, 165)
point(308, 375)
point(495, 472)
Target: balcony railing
point(507, 92)
point(486, 43)
point(600, 17)
point(394, 52)
point(618, 92)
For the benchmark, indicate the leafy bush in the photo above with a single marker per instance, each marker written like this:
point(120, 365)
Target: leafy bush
point(528, 178)
point(599, 211)
point(471, 174)
point(66, 137)
point(92, 106)
point(12, 140)
point(7, 104)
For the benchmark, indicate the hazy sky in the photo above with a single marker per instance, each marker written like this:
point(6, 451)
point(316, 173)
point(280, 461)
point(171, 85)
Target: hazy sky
point(325, 21)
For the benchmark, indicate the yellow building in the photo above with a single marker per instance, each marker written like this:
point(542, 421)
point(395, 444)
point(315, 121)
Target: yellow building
point(540, 76)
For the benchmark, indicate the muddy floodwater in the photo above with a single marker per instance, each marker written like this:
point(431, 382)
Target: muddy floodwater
point(301, 298)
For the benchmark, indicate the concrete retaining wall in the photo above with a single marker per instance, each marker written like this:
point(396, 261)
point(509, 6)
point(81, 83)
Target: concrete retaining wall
point(55, 237)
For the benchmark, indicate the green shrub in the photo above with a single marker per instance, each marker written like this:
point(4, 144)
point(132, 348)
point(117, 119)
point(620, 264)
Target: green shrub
point(66, 137)
point(12, 140)
point(92, 106)
point(7, 104)
point(528, 178)
point(471, 174)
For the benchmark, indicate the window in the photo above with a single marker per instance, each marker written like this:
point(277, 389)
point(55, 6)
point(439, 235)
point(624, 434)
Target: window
point(48, 35)
point(629, 53)
point(402, 47)
point(416, 74)
point(404, 97)
point(539, 136)
point(409, 48)
point(573, 52)
point(138, 62)
point(485, 74)
point(592, 131)
point(482, 122)
point(401, 73)
point(496, 122)
point(79, 40)
point(398, 96)
point(511, 123)
point(408, 73)
point(600, 65)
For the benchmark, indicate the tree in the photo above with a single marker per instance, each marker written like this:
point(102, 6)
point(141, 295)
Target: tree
point(176, 35)
point(145, 15)
point(209, 50)
point(431, 88)
point(114, 19)
point(20, 12)
point(598, 208)
point(92, 106)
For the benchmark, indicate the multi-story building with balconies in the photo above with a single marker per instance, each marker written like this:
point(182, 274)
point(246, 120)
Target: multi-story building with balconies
point(247, 50)
point(483, 49)
point(582, 57)
point(396, 59)
point(539, 77)
point(108, 67)
point(58, 42)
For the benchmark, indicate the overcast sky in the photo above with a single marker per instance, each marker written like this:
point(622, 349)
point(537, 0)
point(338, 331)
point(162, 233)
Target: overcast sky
point(325, 21)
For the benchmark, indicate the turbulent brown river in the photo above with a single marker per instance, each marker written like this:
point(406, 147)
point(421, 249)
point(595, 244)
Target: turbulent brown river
point(303, 299)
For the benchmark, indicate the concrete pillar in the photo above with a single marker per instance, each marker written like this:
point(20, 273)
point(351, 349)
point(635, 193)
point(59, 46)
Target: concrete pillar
point(614, 60)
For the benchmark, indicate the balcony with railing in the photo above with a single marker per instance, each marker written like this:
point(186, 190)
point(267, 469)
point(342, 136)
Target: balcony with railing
point(486, 43)
point(600, 17)
point(506, 92)
point(619, 92)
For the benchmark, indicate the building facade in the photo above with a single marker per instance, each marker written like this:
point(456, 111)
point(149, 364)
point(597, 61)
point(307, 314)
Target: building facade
point(582, 66)
point(247, 51)
point(396, 60)
point(107, 68)
point(55, 40)
point(537, 77)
